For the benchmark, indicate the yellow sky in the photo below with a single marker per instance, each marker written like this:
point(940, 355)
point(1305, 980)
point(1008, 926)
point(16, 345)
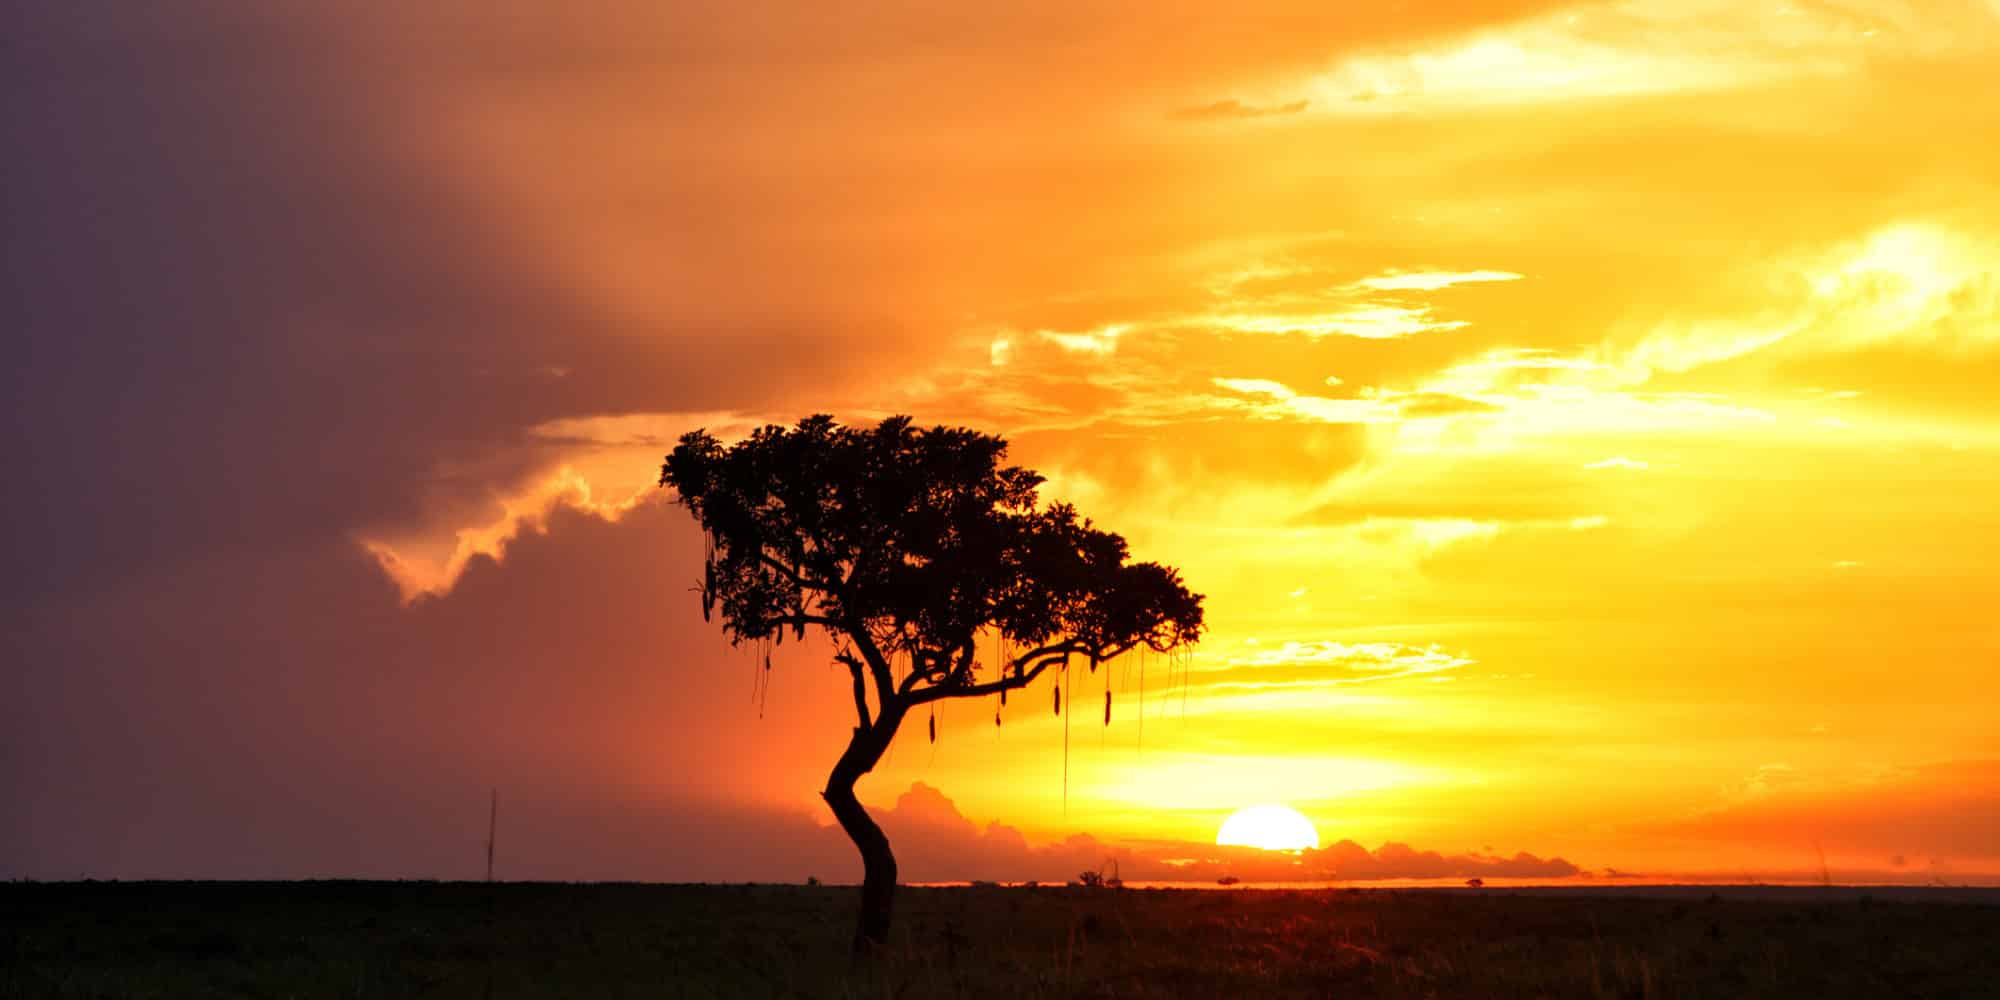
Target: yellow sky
point(1581, 418)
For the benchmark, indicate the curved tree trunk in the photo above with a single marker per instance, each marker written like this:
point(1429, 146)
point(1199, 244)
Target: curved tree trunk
point(878, 879)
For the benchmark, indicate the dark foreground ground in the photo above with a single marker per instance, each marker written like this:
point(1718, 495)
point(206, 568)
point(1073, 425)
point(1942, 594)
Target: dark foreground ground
point(416, 939)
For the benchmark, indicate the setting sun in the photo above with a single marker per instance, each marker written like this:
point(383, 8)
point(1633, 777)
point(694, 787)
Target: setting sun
point(1269, 827)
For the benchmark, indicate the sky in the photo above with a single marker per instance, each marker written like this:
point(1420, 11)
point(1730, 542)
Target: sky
point(1581, 418)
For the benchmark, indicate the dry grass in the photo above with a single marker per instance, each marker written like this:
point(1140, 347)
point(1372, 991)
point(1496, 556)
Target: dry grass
point(339, 939)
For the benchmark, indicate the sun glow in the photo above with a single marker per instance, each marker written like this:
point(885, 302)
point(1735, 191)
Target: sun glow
point(1269, 827)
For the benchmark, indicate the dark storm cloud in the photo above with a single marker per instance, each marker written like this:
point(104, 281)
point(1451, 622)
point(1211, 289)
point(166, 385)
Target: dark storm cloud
point(238, 322)
point(250, 305)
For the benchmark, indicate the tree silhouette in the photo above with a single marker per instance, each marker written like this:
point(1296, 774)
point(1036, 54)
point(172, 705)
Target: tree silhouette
point(906, 545)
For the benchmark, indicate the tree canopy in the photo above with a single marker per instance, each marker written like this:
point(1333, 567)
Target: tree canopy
point(908, 543)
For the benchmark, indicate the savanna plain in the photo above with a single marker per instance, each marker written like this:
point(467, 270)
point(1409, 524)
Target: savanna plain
point(397, 939)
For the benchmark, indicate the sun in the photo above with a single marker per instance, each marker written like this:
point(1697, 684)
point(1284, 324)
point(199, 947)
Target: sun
point(1270, 827)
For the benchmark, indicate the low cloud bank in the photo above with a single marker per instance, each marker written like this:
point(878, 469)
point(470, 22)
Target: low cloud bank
point(935, 843)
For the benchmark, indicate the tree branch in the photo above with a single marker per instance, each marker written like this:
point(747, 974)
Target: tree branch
point(1063, 648)
point(878, 665)
point(1029, 665)
point(1050, 661)
point(854, 670)
point(922, 668)
point(941, 668)
point(1113, 652)
point(783, 570)
point(803, 619)
point(935, 693)
point(820, 582)
point(917, 673)
point(835, 580)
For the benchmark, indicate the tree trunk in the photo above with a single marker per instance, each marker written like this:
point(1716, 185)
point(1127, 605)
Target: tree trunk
point(878, 879)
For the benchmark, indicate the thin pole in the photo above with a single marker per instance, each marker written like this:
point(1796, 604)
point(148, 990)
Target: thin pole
point(492, 821)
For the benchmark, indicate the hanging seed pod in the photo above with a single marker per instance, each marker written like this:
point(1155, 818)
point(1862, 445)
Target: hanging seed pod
point(996, 720)
point(1107, 708)
point(1058, 699)
point(1003, 697)
point(933, 729)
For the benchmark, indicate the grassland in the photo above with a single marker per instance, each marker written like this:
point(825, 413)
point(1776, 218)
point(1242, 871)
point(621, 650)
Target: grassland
point(417, 939)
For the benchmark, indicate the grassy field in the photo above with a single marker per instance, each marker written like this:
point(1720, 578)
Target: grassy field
point(418, 939)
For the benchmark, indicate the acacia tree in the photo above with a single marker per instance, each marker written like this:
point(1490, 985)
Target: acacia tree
point(906, 546)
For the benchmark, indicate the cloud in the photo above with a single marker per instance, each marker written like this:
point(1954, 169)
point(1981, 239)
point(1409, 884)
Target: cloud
point(1233, 109)
point(417, 577)
point(1312, 664)
point(1614, 50)
point(1536, 392)
point(1101, 342)
point(270, 303)
point(1282, 399)
point(1368, 321)
point(1369, 405)
point(1909, 284)
point(1618, 462)
point(1438, 404)
point(1431, 281)
point(934, 842)
point(657, 431)
point(1256, 386)
point(1948, 810)
point(1349, 860)
point(1296, 290)
point(1553, 507)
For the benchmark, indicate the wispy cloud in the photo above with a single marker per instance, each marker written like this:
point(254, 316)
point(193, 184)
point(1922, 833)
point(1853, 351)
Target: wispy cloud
point(1909, 284)
point(1102, 341)
point(418, 575)
point(1369, 321)
point(1331, 663)
point(1615, 50)
point(1279, 399)
point(647, 429)
point(1359, 510)
point(1233, 109)
point(1368, 405)
point(1431, 281)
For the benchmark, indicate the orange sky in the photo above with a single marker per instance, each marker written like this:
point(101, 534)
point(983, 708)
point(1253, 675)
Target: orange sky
point(1581, 417)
